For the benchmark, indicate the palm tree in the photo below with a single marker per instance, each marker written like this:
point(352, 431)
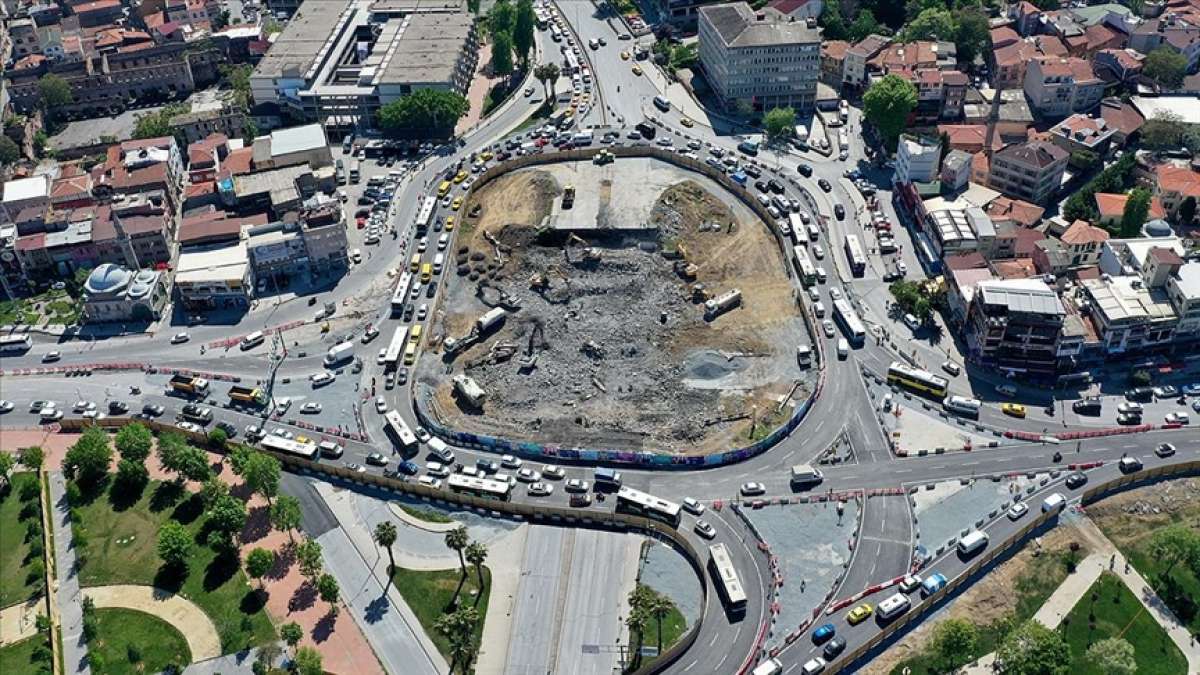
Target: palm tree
point(385, 535)
point(639, 605)
point(457, 539)
point(659, 607)
point(458, 627)
point(476, 554)
point(547, 73)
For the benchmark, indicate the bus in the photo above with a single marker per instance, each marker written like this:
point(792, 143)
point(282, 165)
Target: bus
point(486, 488)
point(854, 255)
point(400, 297)
point(796, 224)
point(639, 503)
point(425, 214)
point(725, 578)
point(851, 324)
point(961, 405)
point(918, 380)
point(804, 266)
point(10, 344)
point(306, 449)
point(391, 357)
point(398, 430)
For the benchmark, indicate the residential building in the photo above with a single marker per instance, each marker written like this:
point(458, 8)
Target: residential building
point(1050, 256)
point(1122, 118)
point(1058, 86)
point(1014, 326)
point(1019, 212)
point(833, 62)
point(956, 170)
point(293, 146)
point(22, 193)
point(1176, 31)
point(113, 293)
point(798, 9)
point(1131, 315)
point(1111, 207)
point(1119, 65)
point(1030, 171)
point(324, 232)
point(1082, 133)
point(1175, 184)
point(759, 56)
point(215, 278)
point(1128, 257)
point(961, 284)
point(1083, 243)
point(151, 164)
point(917, 159)
point(854, 72)
point(1183, 289)
point(24, 36)
point(200, 124)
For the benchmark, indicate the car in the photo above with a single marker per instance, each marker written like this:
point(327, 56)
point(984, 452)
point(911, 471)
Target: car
point(1017, 510)
point(1130, 408)
point(910, 583)
point(437, 469)
point(827, 326)
point(1129, 418)
point(1014, 409)
point(576, 485)
point(185, 425)
point(1166, 391)
point(1139, 394)
point(835, 293)
point(456, 204)
point(381, 356)
point(637, 70)
point(704, 529)
point(321, 379)
point(1176, 418)
point(540, 489)
point(952, 368)
point(1006, 390)
point(1164, 450)
point(1130, 464)
point(377, 459)
point(1191, 389)
point(510, 462)
point(311, 408)
point(422, 244)
point(901, 268)
point(153, 410)
point(839, 211)
point(553, 472)
point(528, 475)
point(1196, 405)
point(422, 434)
point(692, 506)
point(6, 406)
point(818, 252)
point(823, 633)
point(283, 433)
point(686, 122)
point(1088, 406)
point(1076, 480)
point(84, 406)
point(912, 321)
point(422, 311)
point(51, 357)
point(859, 614)
point(402, 375)
point(804, 169)
point(381, 405)
point(825, 186)
point(833, 648)
point(38, 405)
point(90, 414)
point(753, 488)
point(370, 334)
point(580, 500)
point(933, 583)
point(180, 338)
point(409, 468)
point(528, 92)
point(356, 467)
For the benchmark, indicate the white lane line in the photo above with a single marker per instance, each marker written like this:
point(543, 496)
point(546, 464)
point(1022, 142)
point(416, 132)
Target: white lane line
point(714, 640)
point(690, 666)
point(791, 668)
point(723, 657)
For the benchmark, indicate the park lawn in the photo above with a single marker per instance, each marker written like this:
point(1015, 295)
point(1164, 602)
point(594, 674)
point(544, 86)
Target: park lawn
point(18, 657)
point(1119, 614)
point(17, 584)
point(425, 513)
point(121, 543)
point(158, 644)
point(429, 594)
point(673, 627)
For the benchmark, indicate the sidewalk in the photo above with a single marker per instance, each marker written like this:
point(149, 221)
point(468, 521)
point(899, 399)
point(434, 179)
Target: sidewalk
point(19, 621)
point(505, 560)
point(203, 641)
point(68, 596)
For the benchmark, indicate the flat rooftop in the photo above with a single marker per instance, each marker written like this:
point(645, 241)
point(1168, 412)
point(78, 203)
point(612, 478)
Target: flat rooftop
point(426, 48)
point(303, 39)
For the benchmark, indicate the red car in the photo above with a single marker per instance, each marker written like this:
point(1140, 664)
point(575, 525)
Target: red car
point(540, 142)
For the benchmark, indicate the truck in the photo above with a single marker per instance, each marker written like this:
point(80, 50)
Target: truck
point(247, 395)
point(469, 390)
point(804, 474)
point(355, 174)
point(801, 136)
point(722, 303)
point(343, 351)
point(491, 318)
point(190, 385)
point(568, 198)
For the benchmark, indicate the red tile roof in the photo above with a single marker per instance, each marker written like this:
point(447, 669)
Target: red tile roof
point(1017, 268)
point(1112, 205)
point(834, 49)
point(1179, 179)
point(1019, 211)
point(1081, 232)
point(1165, 256)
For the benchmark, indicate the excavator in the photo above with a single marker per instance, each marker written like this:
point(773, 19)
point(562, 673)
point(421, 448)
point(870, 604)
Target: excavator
point(591, 254)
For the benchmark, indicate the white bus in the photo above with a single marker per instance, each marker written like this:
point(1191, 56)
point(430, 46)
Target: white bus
point(854, 254)
point(425, 214)
point(851, 324)
point(797, 225)
point(479, 487)
point(307, 449)
point(961, 405)
point(400, 297)
point(391, 358)
point(804, 265)
point(725, 578)
point(15, 343)
point(639, 503)
point(398, 430)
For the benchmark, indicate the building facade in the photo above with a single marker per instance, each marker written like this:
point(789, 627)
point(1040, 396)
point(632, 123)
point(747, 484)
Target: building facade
point(1014, 326)
point(1030, 171)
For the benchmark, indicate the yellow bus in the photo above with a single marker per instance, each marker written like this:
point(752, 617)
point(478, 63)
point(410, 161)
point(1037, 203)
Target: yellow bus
point(414, 334)
point(410, 354)
point(426, 272)
point(415, 263)
point(444, 188)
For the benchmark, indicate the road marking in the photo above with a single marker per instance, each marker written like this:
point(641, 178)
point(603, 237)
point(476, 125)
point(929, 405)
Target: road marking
point(723, 657)
point(792, 667)
point(970, 463)
point(690, 666)
point(714, 640)
point(1131, 445)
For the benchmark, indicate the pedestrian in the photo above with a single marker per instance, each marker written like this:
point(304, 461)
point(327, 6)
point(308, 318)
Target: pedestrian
point(1126, 567)
point(1112, 561)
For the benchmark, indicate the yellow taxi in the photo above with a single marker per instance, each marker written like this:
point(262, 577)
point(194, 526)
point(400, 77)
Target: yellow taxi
point(302, 439)
point(637, 70)
point(1014, 409)
point(456, 204)
point(686, 122)
point(859, 614)
point(449, 227)
point(624, 56)
point(486, 156)
point(460, 176)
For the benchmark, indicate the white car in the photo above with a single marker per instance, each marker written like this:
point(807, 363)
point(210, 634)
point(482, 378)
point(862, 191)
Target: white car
point(422, 434)
point(527, 475)
point(283, 433)
point(1017, 510)
point(692, 506)
point(705, 530)
point(422, 311)
point(50, 357)
point(6, 406)
point(553, 472)
point(901, 267)
point(437, 469)
point(189, 426)
point(381, 356)
point(1006, 389)
point(540, 490)
point(310, 408)
point(83, 406)
point(576, 485)
point(422, 244)
point(180, 338)
point(321, 379)
point(381, 405)
point(827, 326)
point(510, 462)
point(911, 321)
point(818, 252)
point(753, 488)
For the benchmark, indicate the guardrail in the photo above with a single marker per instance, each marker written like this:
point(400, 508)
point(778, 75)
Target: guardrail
point(643, 459)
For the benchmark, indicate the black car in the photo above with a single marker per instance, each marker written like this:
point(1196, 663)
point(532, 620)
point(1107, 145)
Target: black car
point(825, 185)
point(1087, 406)
point(153, 410)
point(839, 211)
point(1076, 480)
point(408, 312)
point(1139, 394)
point(834, 647)
point(751, 171)
point(118, 407)
point(229, 429)
point(805, 170)
point(761, 185)
point(775, 186)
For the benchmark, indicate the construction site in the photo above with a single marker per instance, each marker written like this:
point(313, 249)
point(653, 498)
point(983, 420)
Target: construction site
point(623, 305)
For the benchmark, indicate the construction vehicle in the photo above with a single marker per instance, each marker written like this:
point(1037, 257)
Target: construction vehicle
point(568, 198)
point(190, 385)
point(247, 395)
point(591, 254)
point(452, 345)
point(686, 269)
point(722, 303)
point(603, 157)
point(502, 301)
point(469, 390)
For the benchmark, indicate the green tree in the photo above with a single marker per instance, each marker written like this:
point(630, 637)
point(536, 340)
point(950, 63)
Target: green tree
point(972, 36)
point(308, 662)
point(779, 123)
point(658, 608)
point(7, 462)
point(424, 109)
point(547, 74)
point(291, 633)
point(327, 588)
point(1084, 159)
point(639, 616)
point(1113, 656)
point(477, 554)
point(174, 544)
point(1175, 544)
point(502, 53)
point(833, 23)
point(1033, 649)
point(217, 438)
point(912, 298)
point(1137, 209)
point(502, 18)
point(457, 540)
point(473, 6)
point(1165, 130)
point(1165, 66)
point(887, 105)
point(285, 515)
point(54, 93)
point(213, 489)
point(188, 463)
point(238, 455)
point(133, 442)
point(308, 554)
point(131, 477)
point(258, 563)
point(954, 643)
point(261, 473)
point(385, 536)
point(931, 24)
point(1186, 214)
point(10, 152)
point(864, 24)
point(88, 459)
point(459, 629)
point(152, 125)
point(31, 457)
point(523, 30)
point(226, 518)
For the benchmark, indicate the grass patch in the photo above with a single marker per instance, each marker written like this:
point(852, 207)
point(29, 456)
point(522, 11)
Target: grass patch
point(129, 642)
point(1118, 613)
point(429, 594)
point(21, 657)
point(673, 627)
point(52, 306)
point(121, 540)
point(21, 555)
point(424, 513)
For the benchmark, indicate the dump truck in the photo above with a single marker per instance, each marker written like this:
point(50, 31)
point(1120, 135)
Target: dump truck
point(190, 385)
point(722, 303)
point(247, 395)
point(469, 390)
point(568, 199)
point(491, 318)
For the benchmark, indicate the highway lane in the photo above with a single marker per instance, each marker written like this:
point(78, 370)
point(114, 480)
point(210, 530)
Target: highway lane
point(538, 612)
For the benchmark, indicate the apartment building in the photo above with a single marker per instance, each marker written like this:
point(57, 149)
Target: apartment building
point(917, 159)
point(1183, 288)
point(1082, 133)
point(1083, 243)
point(854, 71)
point(1014, 325)
point(1058, 86)
point(1031, 171)
point(1134, 313)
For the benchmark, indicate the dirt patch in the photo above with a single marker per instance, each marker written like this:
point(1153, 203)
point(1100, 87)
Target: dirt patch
point(1129, 517)
point(607, 343)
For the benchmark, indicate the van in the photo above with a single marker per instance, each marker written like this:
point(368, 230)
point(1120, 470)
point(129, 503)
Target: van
point(330, 449)
point(813, 232)
point(819, 309)
point(843, 348)
point(972, 543)
point(607, 478)
point(438, 261)
point(804, 355)
point(892, 607)
point(430, 481)
point(426, 273)
point(961, 405)
point(769, 667)
point(805, 474)
point(662, 103)
point(414, 263)
point(410, 354)
point(414, 334)
point(1053, 503)
point(814, 294)
point(252, 340)
point(439, 449)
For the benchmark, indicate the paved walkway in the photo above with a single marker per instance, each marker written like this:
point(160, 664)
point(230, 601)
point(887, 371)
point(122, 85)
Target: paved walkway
point(239, 662)
point(203, 640)
point(505, 560)
point(19, 621)
point(68, 597)
point(421, 524)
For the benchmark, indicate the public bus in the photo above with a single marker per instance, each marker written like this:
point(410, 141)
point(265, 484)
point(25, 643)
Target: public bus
point(307, 449)
point(425, 214)
point(15, 343)
point(854, 255)
point(851, 324)
point(961, 405)
point(400, 297)
point(639, 503)
point(804, 265)
point(398, 430)
point(395, 348)
point(725, 578)
point(921, 381)
point(796, 225)
point(486, 488)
